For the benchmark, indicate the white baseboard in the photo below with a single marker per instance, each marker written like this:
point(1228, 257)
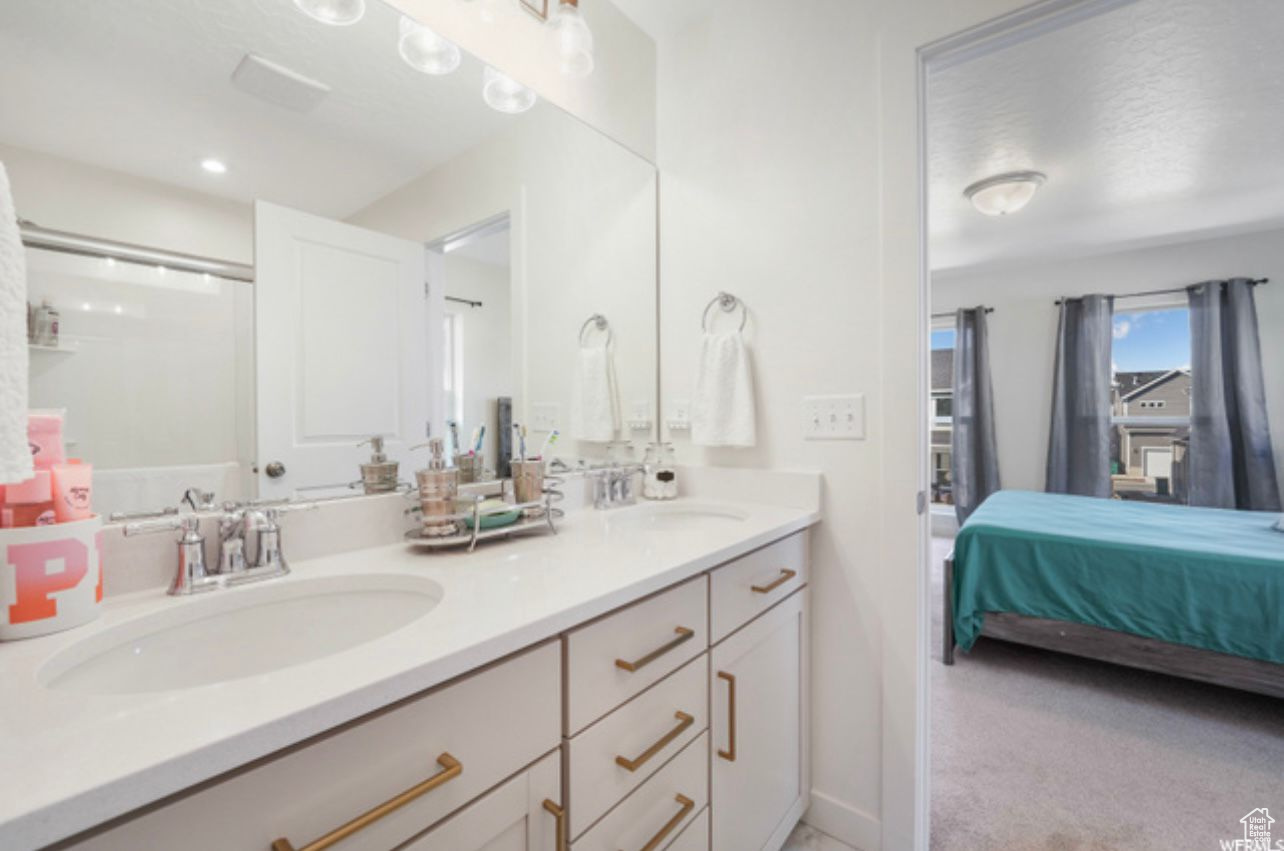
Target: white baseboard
point(844, 822)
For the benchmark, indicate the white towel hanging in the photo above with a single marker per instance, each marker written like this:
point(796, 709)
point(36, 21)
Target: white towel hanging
point(15, 452)
point(723, 412)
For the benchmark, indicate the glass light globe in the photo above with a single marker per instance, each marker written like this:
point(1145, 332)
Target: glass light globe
point(505, 94)
point(1004, 194)
point(426, 51)
point(338, 13)
point(574, 41)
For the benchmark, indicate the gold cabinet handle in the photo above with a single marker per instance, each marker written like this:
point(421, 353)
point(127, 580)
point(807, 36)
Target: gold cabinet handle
point(684, 634)
point(450, 769)
point(785, 575)
point(684, 721)
point(687, 806)
point(730, 753)
point(559, 816)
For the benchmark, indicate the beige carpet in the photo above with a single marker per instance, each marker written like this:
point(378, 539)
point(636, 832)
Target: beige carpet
point(1037, 750)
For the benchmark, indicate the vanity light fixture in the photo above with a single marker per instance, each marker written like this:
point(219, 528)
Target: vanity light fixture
point(214, 166)
point(1004, 194)
point(574, 39)
point(504, 94)
point(337, 13)
point(426, 51)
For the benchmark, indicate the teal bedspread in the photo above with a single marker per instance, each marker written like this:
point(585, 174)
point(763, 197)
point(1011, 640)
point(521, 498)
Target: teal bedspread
point(1202, 577)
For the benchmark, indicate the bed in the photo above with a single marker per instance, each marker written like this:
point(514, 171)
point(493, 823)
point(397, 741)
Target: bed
point(1194, 592)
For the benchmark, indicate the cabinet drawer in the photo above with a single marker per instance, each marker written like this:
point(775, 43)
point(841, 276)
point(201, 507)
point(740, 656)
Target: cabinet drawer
point(696, 835)
point(741, 590)
point(661, 807)
point(646, 732)
point(521, 815)
point(609, 661)
point(307, 792)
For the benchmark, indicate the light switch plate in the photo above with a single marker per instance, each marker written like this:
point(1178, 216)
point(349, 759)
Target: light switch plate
point(545, 416)
point(679, 414)
point(834, 417)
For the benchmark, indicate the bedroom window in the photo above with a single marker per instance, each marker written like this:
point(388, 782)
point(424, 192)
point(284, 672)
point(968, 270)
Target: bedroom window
point(1150, 402)
point(941, 414)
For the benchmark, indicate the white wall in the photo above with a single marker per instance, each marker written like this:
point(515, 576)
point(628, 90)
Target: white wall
point(618, 98)
point(487, 337)
point(788, 151)
point(69, 196)
point(583, 224)
point(1023, 326)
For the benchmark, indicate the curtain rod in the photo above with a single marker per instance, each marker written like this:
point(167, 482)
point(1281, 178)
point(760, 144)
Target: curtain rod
point(35, 236)
point(1257, 282)
point(953, 312)
point(466, 301)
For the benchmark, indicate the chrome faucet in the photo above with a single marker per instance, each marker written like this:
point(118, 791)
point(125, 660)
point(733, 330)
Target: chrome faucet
point(233, 568)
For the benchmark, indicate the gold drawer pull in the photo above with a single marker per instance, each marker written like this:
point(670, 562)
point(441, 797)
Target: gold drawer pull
point(687, 806)
point(450, 769)
point(730, 753)
point(559, 814)
point(785, 575)
point(684, 634)
point(684, 721)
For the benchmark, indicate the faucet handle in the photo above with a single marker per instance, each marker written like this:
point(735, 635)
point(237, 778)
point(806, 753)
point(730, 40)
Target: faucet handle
point(191, 576)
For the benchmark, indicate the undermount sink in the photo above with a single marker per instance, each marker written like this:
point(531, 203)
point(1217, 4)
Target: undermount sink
point(239, 633)
point(674, 518)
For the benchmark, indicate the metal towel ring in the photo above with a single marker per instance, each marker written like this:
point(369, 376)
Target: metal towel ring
point(599, 322)
point(728, 303)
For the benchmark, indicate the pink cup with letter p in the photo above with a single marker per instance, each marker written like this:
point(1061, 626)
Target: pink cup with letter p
point(51, 577)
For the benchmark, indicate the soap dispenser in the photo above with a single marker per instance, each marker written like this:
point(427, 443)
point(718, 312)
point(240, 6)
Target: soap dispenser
point(438, 487)
point(378, 475)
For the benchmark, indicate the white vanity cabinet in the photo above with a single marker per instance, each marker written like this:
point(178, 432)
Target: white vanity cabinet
point(678, 722)
point(759, 778)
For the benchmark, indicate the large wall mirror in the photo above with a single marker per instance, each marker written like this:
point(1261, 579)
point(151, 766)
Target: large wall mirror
point(267, 239)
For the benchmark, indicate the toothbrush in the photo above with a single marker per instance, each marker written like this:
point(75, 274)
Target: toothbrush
point(454, 437)
point(549, 440)
point(517, 443)
point(475, 441)
point(481, 435)
point(523, 439)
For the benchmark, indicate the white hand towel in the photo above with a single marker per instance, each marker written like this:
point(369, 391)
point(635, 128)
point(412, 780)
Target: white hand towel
point(722, 413)
point(15, 452)
point(596, 416)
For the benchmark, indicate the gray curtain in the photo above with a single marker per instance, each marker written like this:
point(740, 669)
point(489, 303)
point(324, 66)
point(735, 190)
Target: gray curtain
point(1231, 462)
point(974, 456)
point(1079, 443)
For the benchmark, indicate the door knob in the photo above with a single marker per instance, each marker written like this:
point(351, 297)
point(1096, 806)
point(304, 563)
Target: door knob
point(275, 470)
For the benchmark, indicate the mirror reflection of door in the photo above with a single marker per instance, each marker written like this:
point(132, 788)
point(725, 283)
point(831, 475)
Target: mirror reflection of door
point(342, 348)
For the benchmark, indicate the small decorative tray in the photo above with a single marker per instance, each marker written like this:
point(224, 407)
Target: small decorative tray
point(472, 527)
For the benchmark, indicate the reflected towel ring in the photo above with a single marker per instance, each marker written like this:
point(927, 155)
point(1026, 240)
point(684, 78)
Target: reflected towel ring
point(599, 322)
point(728, 303)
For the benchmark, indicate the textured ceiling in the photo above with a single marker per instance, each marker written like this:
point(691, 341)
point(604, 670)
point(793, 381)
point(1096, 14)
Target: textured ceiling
point(1155, 121)
point(142, 86)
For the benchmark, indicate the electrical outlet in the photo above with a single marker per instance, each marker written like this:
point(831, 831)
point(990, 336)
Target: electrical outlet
point(545, 416)
point(679, 414)
point(834, 417)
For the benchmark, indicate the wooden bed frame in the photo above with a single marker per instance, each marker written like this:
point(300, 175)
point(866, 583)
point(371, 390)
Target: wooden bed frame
point(1120, 648)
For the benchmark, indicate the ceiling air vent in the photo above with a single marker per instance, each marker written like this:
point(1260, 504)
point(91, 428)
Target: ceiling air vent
point(277, 84)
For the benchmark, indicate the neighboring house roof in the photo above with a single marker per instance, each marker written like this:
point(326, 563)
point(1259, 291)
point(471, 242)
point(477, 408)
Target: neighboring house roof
point(942, 369)
point(1126, 382)
point(1157, 378)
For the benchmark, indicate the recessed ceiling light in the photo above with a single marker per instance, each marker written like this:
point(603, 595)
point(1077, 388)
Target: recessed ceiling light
point(1004, 194)
point(214, 166)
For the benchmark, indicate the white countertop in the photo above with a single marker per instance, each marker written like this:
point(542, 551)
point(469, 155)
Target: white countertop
point(72, 761)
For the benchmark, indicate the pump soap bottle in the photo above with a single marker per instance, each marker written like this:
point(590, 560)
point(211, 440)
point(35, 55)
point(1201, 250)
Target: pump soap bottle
point(378, 475)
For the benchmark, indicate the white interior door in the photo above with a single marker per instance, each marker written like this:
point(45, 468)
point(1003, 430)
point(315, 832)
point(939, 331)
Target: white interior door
point(342, 350)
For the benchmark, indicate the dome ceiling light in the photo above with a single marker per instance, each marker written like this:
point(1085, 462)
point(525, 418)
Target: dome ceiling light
point(425, 51)
point(1004, 194)
point(336, 13)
